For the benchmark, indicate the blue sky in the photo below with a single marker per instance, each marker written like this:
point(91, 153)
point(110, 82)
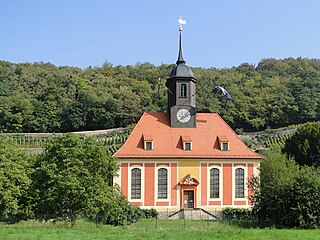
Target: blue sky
point(218, 33)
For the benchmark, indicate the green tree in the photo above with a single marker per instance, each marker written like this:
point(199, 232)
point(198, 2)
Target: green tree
point(304, 145)
point(286, 194)
point(15, 170)
point(70, 173)
point(270, 201)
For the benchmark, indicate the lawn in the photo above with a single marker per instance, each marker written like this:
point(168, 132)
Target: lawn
point(148, 229)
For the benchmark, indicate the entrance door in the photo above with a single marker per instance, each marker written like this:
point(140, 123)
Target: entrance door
point(188, 199)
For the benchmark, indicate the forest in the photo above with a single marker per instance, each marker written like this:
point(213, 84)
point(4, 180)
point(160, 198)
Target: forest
point(42, 97)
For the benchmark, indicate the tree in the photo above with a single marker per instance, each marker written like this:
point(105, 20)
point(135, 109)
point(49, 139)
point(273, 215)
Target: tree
point(285, 194)
point(304, 145)
point(71, 174)
point(270, 200)
point(15, 169)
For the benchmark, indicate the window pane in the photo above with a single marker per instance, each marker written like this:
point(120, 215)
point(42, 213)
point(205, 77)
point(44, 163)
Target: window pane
point(214, 183)
point(162, 183)
point(183, 90)
point(239, 184)
point(136, 183)
point(148, 145)
point(187, 146)
point(224, 146)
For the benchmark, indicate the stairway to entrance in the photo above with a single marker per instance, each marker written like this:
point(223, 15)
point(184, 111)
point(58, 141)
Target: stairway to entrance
point(195, 214)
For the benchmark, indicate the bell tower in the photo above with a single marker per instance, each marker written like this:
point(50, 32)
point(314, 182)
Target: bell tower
point(181, 92)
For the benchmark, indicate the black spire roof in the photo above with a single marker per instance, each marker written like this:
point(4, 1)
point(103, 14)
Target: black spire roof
point(180, 56)
point(181, 70)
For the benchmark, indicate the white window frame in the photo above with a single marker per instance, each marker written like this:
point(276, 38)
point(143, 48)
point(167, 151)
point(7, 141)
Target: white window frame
point(245, 198)
point(184, 146)
point(220, 182)
point(168, 183)
point(145, 145)
point(221, 146)
point(141, 199)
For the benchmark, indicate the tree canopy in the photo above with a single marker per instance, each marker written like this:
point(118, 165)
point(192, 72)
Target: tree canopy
point(304, 145)
point(41, 97)
point(70, 173)
point(74, 176)
point(15, 181)
point(286, 195)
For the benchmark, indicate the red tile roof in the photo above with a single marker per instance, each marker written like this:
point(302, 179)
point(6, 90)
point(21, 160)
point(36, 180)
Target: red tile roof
point(223, 138)
point(167, 141)
point(186, 138)
point(147, 137)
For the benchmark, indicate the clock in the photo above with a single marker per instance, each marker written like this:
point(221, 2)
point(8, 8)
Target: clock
point(183, 115)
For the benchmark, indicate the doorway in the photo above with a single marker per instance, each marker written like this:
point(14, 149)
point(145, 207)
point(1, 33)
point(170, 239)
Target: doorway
point(188, 198)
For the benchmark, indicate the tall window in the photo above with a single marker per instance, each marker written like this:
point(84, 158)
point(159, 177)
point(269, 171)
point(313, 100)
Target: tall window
point(135, 183)
point(214, 183)
point(162, 183)
point(183, 90)
point(239, 183)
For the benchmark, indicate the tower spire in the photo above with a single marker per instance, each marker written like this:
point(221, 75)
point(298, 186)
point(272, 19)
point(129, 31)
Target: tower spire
point(180, 55)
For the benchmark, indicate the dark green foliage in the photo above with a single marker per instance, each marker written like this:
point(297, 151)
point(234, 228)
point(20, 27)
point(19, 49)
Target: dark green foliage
point(114, 209)
point(304, 145)
point(286, 195)
point(73, 177)
point(236, 214)
point(41, 97)
point(15, 170)
point(150, 213)
point(305, 198)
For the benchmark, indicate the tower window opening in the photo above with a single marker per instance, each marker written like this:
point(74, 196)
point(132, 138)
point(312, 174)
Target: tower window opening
point(183, 90)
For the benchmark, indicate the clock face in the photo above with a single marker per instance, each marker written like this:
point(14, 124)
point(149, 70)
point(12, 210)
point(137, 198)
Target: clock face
point(183, 115)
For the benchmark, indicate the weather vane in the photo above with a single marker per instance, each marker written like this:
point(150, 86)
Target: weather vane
point(181, 22)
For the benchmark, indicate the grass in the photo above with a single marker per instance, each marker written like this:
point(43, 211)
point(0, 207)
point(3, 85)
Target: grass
point(148, 229)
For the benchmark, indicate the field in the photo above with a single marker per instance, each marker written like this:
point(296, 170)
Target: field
point(148, 229)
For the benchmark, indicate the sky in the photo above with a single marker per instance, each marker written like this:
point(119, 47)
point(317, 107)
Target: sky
point(218, 33)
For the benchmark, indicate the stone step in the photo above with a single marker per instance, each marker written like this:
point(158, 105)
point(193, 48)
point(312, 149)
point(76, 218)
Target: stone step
point(193, 214)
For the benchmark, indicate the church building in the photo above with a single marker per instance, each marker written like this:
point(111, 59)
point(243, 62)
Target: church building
point(181, 159)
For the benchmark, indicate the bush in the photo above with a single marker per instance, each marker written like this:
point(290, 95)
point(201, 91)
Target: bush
point(150, 213)
point(236, 214)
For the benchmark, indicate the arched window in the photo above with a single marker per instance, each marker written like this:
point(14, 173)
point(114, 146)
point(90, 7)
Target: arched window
point(214, 183)
point(136, 183)
point(183, 90)
point(162, 183)
point(239, 184)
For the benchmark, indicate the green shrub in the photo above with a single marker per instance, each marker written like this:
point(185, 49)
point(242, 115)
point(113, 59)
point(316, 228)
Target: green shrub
point(150, 213)
point(237, 214)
